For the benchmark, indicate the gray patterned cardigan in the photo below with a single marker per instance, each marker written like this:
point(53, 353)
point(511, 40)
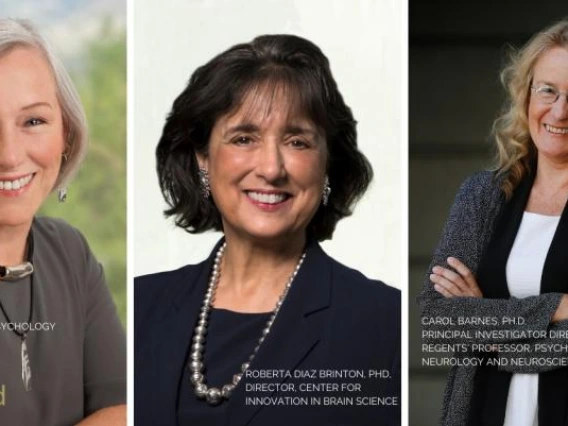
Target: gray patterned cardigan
point(466, 234)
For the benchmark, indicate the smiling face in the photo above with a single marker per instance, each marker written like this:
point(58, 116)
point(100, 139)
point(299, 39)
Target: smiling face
point(267, 166)
point(31, 134)
point(548, 123)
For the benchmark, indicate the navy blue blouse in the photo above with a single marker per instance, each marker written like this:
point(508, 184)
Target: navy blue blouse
point(231, 338)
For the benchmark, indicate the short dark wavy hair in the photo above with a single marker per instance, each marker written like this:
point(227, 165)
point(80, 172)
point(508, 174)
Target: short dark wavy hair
point(219, 87)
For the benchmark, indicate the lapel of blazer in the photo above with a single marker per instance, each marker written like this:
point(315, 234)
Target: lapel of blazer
point(553, 392)
point(554, 273)
point(296, 330)
point(174, 331)
point(492, 271)
point(492, 279)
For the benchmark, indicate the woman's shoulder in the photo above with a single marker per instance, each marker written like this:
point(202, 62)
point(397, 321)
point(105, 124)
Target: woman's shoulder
point(155, 294)
point(56, 229)
point(171, 276)
point(151, 287)
point(369, 311)
point(64, 255)
point(481, 185)
point(164, 278)
point(352, 286)
point(55, 237)
point(185, 275)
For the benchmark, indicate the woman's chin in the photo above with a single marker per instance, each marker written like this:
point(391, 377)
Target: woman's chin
point(268, 234)
point(15, 215)
point(555, 152)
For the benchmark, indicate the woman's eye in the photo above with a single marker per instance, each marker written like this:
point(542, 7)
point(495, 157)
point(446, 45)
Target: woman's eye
point(299, 144)
point(242, 140)
point(32, 122)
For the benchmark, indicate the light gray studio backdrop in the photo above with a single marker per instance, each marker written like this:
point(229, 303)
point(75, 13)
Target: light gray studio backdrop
point(364, 42)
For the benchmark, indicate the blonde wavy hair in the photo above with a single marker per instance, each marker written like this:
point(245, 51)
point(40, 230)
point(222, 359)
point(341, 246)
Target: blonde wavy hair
point(515, 148)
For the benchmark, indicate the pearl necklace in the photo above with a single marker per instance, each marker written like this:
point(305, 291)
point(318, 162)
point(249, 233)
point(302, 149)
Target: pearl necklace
point(213, 395)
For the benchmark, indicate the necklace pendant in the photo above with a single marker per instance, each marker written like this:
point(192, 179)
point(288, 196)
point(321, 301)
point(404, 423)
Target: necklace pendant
point(26, 369)
point(15, 273)
point(214, 396)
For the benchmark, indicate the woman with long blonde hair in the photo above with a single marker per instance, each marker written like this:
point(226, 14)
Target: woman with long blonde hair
point(502, 262)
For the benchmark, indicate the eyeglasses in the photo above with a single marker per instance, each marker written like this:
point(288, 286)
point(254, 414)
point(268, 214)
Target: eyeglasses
point(547, 94)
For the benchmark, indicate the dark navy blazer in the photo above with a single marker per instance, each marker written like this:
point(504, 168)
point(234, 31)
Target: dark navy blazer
point(333, 318)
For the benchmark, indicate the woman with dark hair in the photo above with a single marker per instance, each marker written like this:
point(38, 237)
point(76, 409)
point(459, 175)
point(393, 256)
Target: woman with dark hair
point(261, 146)
point(500, 272)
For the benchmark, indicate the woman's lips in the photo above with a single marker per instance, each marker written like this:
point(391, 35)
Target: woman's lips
point(268, 200)
point(556, 130)
point(13, 186)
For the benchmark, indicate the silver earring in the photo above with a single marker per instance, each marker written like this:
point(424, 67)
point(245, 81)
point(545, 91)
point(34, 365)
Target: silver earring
point(326, 191)
point(204, 183)
point(62, 194)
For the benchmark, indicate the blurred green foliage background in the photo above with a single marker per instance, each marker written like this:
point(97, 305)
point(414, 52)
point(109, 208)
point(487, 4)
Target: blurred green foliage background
point(96, 203)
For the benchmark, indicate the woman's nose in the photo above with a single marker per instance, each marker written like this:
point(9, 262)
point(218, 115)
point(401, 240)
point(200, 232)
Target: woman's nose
point(560, 108)
point(11, 152)
point(271, 162)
